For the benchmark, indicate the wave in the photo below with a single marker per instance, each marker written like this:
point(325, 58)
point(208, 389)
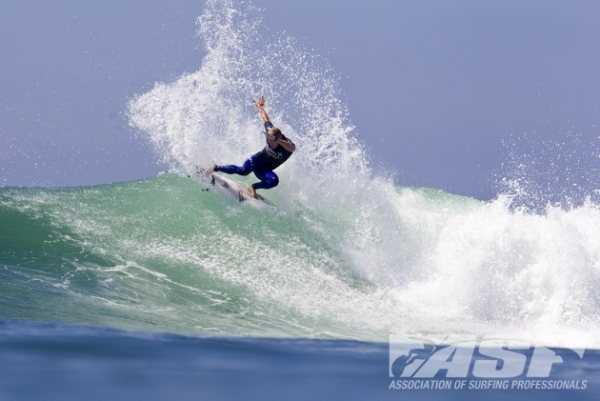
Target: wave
point(162, 254)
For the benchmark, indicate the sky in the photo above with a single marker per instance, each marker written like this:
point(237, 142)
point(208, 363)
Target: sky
point(454, 95)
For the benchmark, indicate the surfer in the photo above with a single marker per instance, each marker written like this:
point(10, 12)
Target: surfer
point(277, 150)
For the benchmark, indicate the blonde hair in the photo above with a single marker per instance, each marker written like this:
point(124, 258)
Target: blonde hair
point(275, 132)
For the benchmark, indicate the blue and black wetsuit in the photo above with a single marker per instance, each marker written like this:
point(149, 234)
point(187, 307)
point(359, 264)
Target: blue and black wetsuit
point(262, 164)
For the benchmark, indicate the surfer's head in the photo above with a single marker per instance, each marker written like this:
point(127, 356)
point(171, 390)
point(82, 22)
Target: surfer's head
point(274, 132)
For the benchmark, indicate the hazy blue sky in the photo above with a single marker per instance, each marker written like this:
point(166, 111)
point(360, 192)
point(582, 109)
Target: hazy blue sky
point(443, 93)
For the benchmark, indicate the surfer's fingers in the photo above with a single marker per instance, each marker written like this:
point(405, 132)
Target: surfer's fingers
point(260, 102)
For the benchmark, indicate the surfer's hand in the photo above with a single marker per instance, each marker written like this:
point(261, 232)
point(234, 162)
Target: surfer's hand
point(259, 105)
point(260, 102)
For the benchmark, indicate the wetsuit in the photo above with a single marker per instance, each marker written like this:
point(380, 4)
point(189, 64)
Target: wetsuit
point(262, 164)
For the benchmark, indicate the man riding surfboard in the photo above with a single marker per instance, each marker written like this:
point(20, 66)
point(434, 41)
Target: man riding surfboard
point(277, 150)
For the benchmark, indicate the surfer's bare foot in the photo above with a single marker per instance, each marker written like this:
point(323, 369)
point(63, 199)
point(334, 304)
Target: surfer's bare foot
point(209, 170)
point(252, 191)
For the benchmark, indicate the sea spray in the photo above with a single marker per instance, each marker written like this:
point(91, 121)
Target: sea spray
point(207, 116)
point(539, 172)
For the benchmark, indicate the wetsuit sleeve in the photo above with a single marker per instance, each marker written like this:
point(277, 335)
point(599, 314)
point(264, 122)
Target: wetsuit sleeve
point(288, 139)
point(268, 125)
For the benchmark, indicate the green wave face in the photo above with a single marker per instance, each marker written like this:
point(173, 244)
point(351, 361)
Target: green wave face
point(163, 254)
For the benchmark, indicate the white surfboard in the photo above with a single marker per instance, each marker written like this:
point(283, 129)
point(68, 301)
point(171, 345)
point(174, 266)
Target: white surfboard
point(233, 190)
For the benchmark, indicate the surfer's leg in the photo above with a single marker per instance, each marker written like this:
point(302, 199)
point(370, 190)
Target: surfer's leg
point(268, 179)
point(245, 169)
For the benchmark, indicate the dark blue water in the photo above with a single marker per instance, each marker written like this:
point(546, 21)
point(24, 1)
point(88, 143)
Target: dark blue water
point(43, 361)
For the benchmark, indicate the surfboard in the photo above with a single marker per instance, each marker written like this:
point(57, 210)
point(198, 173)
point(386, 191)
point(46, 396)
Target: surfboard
point(233, 190)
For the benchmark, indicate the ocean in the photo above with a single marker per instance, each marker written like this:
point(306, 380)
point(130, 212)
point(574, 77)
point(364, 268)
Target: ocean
point(355, 288)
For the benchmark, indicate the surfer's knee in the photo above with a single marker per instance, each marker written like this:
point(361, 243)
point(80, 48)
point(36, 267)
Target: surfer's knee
point(271, 179)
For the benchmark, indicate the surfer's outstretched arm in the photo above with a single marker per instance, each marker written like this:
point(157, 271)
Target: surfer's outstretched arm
point(260, 103)
point(274, 135)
